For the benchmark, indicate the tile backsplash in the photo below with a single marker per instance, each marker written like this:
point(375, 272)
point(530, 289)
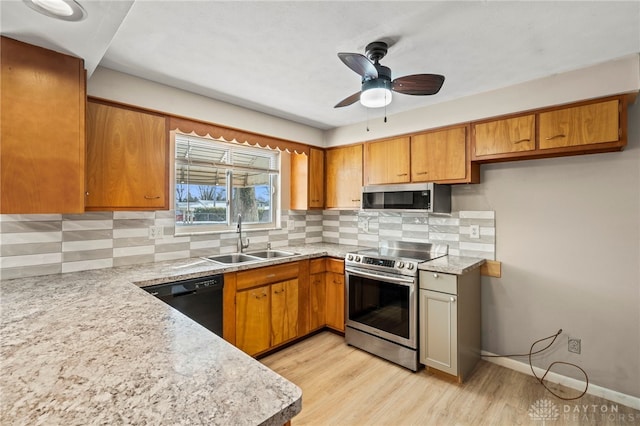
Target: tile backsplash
point(32, 245)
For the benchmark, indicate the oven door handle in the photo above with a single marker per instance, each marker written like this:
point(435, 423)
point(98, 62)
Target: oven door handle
point(380, 277)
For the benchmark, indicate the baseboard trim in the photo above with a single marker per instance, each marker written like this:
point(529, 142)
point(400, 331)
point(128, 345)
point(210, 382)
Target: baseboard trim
point(611, 395)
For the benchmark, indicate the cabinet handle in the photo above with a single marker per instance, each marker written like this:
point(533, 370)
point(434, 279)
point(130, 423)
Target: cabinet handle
point(422, 173)
point(402, 174)
point(453, 299)
point(356, 200)
point(151, 197)
point(279, 291)
point(522, 140)
point(555, 137)
point(270, 275)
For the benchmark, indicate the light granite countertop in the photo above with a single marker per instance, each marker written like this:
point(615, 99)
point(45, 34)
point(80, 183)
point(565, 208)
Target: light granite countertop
point(457, 265)
point(92, 348)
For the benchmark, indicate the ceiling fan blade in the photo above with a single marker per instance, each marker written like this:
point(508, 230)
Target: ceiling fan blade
point(349, 100)
point(418, 84)
point(360, 64)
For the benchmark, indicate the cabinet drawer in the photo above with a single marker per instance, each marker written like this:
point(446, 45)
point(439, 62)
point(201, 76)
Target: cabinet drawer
point(267, 275)
point(317, 266)
point(436, 281)
point(335, 265)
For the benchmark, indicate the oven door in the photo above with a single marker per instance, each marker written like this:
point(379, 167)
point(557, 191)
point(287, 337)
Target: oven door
point(382, 304)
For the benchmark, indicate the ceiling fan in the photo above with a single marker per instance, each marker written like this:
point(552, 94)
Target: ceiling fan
point(376, 79)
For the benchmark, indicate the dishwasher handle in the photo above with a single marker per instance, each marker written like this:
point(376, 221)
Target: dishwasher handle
point(187, 287)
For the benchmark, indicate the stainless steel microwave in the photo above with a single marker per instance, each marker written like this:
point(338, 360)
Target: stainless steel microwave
point(422, 197)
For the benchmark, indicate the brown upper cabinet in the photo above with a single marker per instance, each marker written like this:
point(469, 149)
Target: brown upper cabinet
point(387, 161)
point(442, 156)
point(516, 134)
point(584, 127)
point(307, 180)
point(344, 177)
point(581, 125)
point(127, 159)
point(42, 154)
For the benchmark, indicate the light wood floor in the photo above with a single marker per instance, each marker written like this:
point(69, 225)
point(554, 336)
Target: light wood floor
point(342, 385)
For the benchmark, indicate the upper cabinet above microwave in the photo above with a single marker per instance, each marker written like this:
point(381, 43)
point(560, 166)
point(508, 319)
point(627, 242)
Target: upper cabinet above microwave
point(387, 161)
point(440, 155)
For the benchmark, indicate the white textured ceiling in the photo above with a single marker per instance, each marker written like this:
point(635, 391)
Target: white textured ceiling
point(280, 57)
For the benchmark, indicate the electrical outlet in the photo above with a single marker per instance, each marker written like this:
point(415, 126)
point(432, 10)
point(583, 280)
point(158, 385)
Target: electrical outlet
point(474, 231)
point(156, 232)
point(291, 225)
point(574, 345)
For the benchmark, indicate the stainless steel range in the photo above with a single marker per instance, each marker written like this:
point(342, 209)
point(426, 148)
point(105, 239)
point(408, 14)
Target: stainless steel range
point(382, 299)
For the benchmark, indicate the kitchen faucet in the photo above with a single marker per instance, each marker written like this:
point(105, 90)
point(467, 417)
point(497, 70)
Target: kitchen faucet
point(241, 245)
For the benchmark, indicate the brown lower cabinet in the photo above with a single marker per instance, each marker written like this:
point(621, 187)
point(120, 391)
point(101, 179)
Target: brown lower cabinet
point(334, 302)
point(267, 307)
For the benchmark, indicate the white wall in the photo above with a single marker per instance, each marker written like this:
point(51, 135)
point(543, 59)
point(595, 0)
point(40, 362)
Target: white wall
point(620, 76)
point(116, 86)
point(568, 237)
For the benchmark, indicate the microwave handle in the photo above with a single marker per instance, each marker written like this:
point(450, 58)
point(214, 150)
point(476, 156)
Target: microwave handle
point(380, 277)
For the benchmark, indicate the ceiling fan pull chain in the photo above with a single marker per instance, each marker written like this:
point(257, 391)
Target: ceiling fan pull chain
point(385, 107)
point(367, 119)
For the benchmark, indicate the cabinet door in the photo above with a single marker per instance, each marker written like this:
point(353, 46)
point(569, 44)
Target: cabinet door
point(439, 156)
point(505, 136)
point(334, 307)
point(284, 311)
point(317, 296)
point(42, 136)
point(253, 320)
point(386, 161)
point(344, 177)
point(307, 180)
point(580, 125)
point(438, 331)
point(127, 159)
point(316, 178)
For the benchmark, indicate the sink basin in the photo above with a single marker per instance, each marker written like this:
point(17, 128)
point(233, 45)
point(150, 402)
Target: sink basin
point(270, 254)
point(233, 258)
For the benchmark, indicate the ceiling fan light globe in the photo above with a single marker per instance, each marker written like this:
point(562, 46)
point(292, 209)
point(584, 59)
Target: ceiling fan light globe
point(376, 93)
point(377, 97)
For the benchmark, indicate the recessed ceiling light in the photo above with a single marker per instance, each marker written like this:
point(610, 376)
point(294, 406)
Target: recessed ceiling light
point(67, 10)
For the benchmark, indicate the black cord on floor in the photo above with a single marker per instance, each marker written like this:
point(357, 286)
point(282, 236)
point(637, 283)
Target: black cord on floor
point(541, 379)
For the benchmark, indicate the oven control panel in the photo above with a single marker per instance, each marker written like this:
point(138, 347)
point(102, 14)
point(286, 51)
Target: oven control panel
point(392, 265)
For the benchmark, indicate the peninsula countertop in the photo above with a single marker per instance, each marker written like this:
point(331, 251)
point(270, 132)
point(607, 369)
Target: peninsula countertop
point(92, 347)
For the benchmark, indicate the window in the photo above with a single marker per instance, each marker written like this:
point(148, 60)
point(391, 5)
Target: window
point(216, 181)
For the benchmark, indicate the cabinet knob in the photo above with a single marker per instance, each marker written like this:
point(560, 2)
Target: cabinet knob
point(453, 299)
point(435, 275)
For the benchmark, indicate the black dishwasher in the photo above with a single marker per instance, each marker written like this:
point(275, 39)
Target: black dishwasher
point(198, 298)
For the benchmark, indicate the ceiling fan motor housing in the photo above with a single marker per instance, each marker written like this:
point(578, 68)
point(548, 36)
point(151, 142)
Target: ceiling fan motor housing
point(384, 73)
point(376, 50)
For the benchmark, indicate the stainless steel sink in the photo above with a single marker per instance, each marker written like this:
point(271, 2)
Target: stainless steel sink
point(270, 254)
point(232, 258)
